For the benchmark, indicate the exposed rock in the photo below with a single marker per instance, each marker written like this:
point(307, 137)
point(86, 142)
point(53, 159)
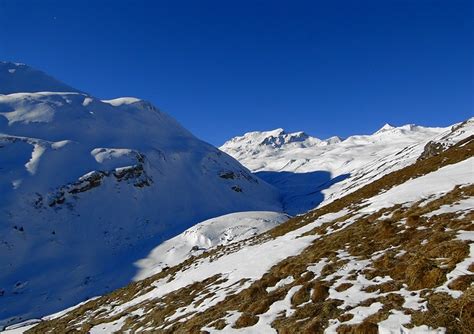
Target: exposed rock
point(432, 148)
point(94, 179)
point(237, 189)
point(228, 175)
point(87, 182)
point(136, 172)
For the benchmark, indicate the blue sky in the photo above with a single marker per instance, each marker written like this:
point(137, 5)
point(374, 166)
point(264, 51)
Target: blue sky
point(223, 68)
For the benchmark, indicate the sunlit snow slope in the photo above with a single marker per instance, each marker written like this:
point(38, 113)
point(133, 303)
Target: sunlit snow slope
point(90, 186)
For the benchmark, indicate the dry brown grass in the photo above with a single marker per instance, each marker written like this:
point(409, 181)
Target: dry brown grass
point(343, 287)
point(320, 292)
point(462, 282)
point(456, 315)
point(363, 328)
point(246, 320)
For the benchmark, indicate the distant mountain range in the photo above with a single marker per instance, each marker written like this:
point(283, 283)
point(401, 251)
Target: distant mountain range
point(309, 171)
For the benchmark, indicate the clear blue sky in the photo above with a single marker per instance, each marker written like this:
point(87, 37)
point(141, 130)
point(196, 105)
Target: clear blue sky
point(223, 68)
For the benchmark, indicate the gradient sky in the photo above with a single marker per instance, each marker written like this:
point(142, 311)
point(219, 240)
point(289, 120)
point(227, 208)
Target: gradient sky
point(223, 68)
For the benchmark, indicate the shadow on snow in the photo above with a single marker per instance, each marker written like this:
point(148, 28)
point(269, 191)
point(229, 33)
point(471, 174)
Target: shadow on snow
point(301, 192)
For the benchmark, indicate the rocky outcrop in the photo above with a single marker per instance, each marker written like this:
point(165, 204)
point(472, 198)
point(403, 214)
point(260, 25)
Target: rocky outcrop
point(230, 175)
point(135, 174)
point(432, 148)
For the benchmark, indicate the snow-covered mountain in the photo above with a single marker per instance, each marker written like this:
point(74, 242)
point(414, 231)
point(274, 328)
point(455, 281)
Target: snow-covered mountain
point(91, 189)
point(90, 186)
point(395, 255)
point(310, 172)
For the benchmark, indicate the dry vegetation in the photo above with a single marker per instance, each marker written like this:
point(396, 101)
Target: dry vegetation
point(402, 243)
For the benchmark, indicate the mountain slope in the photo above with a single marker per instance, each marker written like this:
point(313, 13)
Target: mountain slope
point(311, 172)
point(394, 255)
point(16, 77)
point(89, 187)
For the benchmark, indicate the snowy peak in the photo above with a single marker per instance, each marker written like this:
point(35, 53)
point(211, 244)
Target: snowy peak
point(333, 140)
point(281, 138)
point(20, 78)
point(258, 141)
point(386, 127)
point(390, 129)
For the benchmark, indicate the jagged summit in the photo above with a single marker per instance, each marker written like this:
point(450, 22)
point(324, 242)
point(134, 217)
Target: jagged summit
point(21, 78)
point(278, 138)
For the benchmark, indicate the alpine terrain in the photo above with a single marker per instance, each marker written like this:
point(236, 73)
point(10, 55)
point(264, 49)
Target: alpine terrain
point(367, 234)
point(88, 187)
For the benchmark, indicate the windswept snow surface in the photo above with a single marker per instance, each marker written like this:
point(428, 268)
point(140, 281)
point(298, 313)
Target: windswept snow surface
point(88, 187)
point(311, 172)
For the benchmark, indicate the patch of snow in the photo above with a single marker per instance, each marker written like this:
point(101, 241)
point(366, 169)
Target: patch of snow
point(465, 205)
point(362, 312)
point(87, 101)
point(108, 327)
point(461, 268)
point(413, 300)
point(394, 323)
point(122, 101)
point(32, 164)
point(281, 283)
